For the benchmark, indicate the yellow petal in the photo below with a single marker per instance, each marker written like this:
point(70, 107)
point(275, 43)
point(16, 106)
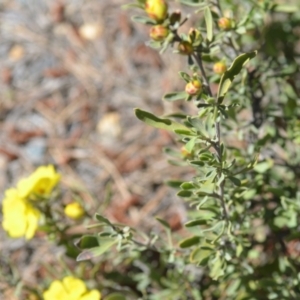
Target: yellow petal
point(56, 291)
point(32, 218)
point(14, 218)
point(42, 182)
point(74, 287)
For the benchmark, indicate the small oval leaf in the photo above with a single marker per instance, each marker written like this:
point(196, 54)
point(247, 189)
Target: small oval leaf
point(143, 20)
point(209, 23)
point(163, 223)
point(234, 70)
point(157, 122)
point(102, 219)
point(105, 243)
point(195, 223)
point(200, 255)
point(87, 242)
point(189, 242)
point(184, 194)
point(175, 96)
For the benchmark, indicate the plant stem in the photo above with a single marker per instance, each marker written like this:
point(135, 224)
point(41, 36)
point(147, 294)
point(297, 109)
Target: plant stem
point(217, 144)
point(198, 59)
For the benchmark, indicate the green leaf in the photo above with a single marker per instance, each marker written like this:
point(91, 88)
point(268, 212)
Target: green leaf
point(207, 187)
point(206, 156)
point(262, 167)
point(209, 23)
point(177, 163)
point(175, 96)
point(239, 250)
point(163, 223)
point(184, 132)
point(200, 255)
point(235, 180)
point(286, 219)
point(195, 223)
point(143, 20)
point(105, 243)
point(154, 44)
point(172, 152)
point(157, 122)
point(285, 8)
point(132, 5)
point(184, 194)
point(197, 163)
point(189, 242)
point(219, 229)
point(115, 296)
point(235, 69)
point(102, 219)
point(174, 183)
point(216, 270)
point(192, 2)
point(191, 144)
point(187, 186)
point(87, 242)
point(186, 77)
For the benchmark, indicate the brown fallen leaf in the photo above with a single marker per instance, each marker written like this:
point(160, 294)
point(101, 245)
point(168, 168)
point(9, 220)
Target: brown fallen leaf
point(58, 12)
point(6, 76)
point(8, 153)
point(55, 72)
point(22, 137)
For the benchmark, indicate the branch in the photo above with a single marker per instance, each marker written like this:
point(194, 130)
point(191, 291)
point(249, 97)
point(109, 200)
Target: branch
point(198, 60)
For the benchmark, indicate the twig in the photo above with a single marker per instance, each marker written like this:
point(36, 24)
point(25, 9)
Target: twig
point(198, 59)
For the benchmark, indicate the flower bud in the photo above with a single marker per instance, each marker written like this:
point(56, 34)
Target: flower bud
point(185, 47)
point(195, 37)
point(175, 17)
point(219, 68)
point(159, 32)
point(74, 211)
point(156, 9)
point(185, 153)
point(225, 23)
point(194, 87)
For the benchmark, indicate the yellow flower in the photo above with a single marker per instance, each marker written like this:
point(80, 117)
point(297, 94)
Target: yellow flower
point(70, 288)
point(20, 218)
point(41, 182)
point(74, 210)
point(156, 9)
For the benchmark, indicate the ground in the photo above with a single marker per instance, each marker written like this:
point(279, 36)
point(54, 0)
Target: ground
point(72, 73)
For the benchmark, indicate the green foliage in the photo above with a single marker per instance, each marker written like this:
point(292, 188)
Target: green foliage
point(244, 196)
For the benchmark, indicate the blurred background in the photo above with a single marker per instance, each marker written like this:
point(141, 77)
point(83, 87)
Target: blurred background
point(71, 73)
